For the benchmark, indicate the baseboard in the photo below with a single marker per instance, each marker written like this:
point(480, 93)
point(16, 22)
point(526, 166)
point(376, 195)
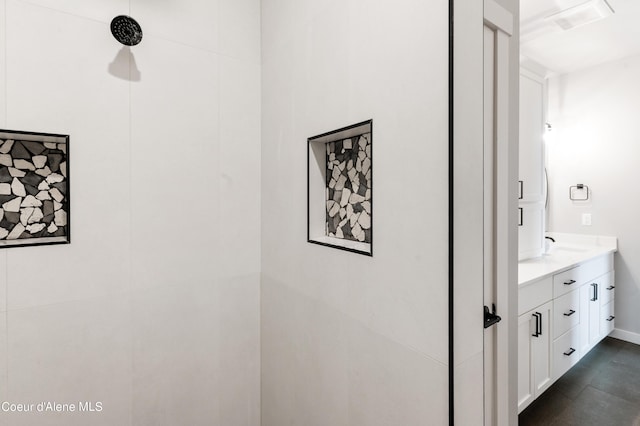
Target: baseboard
point(625, 335)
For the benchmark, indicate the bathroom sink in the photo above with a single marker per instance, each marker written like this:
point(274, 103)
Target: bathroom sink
point(571, 249)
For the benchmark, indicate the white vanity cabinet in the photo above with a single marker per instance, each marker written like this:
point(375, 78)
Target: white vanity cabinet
point(531, 184)
point(562, 316)
point(534, 353)
point(597, 311)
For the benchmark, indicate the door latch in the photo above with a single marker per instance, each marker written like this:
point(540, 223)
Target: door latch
point(490, 318)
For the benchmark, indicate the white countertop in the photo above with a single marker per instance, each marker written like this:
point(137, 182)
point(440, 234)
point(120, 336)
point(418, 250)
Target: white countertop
point(568, 251)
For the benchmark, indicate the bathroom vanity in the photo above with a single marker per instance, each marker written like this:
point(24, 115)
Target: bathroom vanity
point(565, 307)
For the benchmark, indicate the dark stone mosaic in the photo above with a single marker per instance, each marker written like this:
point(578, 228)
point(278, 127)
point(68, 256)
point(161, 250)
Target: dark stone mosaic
point(348, 192)
point(33, 189)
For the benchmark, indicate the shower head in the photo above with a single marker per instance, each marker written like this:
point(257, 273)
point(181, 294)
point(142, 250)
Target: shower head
point(126, 30)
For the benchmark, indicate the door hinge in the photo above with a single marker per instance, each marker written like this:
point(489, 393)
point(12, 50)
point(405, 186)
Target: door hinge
point(490, 318)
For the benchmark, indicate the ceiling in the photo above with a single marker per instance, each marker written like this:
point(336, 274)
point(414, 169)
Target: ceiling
point(560, 52)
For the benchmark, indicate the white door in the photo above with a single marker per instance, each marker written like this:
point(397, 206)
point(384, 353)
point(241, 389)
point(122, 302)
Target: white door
point(497, 196)
point(485, 176)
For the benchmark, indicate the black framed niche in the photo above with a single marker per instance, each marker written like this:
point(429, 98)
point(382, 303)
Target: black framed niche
point(34, 189)
point(340, 188)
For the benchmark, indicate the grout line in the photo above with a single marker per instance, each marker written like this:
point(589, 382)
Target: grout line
point(130, 265)
point(6, 254)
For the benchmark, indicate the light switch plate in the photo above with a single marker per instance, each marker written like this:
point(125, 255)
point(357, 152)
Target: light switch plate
point(586, 219)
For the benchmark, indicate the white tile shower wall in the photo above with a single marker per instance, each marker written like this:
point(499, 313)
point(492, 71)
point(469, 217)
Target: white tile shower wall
point(96, 10)
point(174, 153)
point(71, 352)
point(3, 94)
point(3, 366)
point(156, 164)
point(239, 167)
point(193, 23)
point(347, 62)
point(46, 92)
point(176, 336)
point(239, 30)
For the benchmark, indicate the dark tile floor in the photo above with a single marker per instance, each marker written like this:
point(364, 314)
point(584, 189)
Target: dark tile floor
point(603, 389)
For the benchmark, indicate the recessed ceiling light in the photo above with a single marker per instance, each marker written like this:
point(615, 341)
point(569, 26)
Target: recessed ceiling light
point(585, 13)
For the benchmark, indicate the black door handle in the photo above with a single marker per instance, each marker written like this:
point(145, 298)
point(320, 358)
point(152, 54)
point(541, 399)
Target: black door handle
point(538, 317)
point(490, 318)
point(595, 292)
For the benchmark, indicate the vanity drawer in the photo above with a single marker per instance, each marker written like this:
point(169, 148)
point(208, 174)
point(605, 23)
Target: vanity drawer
point(566, 352)
point(534, 294)
point(607, 318)
point(566, 313)
point(608, 287)
point(567, 281)
point(597, 267)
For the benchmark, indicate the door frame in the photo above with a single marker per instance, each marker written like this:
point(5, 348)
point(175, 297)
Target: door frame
point(466, 206)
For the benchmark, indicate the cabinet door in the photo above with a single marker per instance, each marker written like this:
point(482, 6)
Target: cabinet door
point(525, 364)
point(530, 231)
point(531, 134)
point(586, 293)
point(589, 316)
point(594, 314)
point(541, 348)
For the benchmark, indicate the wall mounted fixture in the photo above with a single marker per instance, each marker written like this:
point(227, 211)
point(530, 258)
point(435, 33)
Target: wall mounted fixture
point(126, 30)
point(579, 192)
point(582, 14)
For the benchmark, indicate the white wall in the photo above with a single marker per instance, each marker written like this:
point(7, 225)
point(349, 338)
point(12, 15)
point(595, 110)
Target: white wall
point(153, 309)
point(349, 339)
point(596, 141)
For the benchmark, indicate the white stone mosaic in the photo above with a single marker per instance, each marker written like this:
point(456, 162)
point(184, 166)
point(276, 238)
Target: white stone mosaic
point(33, 189)
point(348, 191)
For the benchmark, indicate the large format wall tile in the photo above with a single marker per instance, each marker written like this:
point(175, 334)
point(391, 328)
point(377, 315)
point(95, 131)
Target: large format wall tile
point(175, 156)
point(391, 384)
point(3, 96)
point(239, 360)
point(347, 62)
point(239, 175)
point(97, 261)
point(304, 359)
point(193, 23)
point(240, 30)
point(96, 10)
point(152, 175)
point(176, 354)
point(3, 366)
point(3, 280)
point(72, 352)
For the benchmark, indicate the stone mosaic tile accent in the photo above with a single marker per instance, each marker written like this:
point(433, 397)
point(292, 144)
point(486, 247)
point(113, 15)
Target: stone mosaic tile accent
point(33, 189)
point(348, 192)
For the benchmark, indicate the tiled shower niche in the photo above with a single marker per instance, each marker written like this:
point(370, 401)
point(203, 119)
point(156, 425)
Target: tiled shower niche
point(34, 189)
point(340, 189)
